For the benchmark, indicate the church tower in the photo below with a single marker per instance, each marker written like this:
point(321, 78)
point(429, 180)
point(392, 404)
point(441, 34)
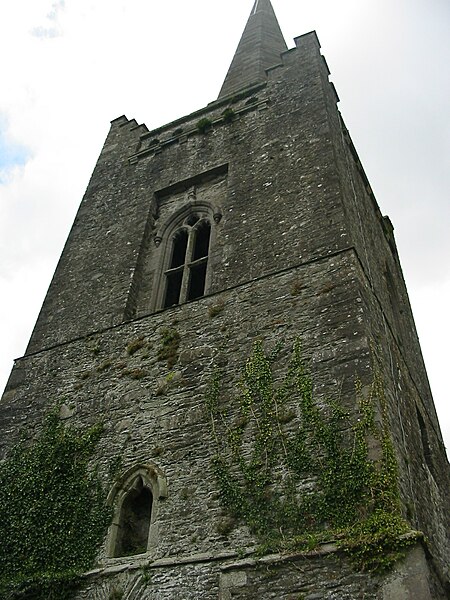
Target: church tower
point(230, 308)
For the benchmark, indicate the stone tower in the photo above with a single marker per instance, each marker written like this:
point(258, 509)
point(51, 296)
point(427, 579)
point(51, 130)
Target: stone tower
point(245, 229)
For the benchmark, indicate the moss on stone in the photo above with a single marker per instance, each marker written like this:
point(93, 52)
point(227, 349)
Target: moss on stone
point(168, 350)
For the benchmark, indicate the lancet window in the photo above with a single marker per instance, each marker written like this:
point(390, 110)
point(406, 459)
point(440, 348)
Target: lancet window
point(185, 275)
point(135, 499)
point(134, 520)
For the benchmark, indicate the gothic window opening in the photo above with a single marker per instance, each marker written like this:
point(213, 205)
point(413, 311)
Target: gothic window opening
point(177, 262)
point(179, 249)
point(192, 220)
point(134, 523)
point(197, 282)
point(135, 499)
point(185, 279)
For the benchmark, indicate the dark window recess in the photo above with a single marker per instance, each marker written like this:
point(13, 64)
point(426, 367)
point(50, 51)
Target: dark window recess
point(179, 246)
point(197, 281)
point(134, 522)
point(192, 220)
point(201, 243)
point(425, 442)
point(173, 288)
point(185, 278)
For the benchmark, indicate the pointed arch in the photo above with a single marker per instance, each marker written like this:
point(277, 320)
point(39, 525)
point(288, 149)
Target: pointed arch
point(135, 498)
point(184, 249)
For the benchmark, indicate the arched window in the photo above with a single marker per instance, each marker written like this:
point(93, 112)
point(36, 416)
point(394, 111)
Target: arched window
point(135, 500)
point(185, 277)
point(134, 520)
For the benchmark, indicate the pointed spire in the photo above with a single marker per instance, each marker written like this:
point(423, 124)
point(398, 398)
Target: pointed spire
point(260, 47)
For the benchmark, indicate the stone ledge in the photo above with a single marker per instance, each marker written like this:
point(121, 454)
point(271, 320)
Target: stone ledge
point(270, 559)
point(249, 560)
point(133, 564)
point(261, 105)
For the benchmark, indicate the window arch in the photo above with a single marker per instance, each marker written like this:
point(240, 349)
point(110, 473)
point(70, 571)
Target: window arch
point(134, 520)
point(135, 499)
point(187, 261)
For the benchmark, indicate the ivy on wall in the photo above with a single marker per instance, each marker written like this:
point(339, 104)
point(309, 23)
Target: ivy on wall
point(53, 513)
point(297, 473)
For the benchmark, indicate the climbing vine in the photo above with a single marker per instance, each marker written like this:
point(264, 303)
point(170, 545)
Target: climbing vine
point(297, 472)
point(53, 513)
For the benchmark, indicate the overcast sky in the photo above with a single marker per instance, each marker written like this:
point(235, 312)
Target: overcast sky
point(68, 67)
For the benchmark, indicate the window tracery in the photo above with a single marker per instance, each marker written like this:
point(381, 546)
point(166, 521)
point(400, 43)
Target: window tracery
point(179, 251)
point(188, 253)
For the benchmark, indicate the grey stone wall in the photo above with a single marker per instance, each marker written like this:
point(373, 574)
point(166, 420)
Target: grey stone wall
point(100, 252)
point(300, 249)
point(319, 575)
point(424, 471)
point(281, 170)
point(156, 415)
point(423, 479)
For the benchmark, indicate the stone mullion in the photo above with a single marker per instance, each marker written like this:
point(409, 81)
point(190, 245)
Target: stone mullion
point(186, 268)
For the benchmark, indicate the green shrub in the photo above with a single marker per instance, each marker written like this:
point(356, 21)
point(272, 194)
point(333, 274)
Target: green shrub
point(228, 115)
point(204, 125)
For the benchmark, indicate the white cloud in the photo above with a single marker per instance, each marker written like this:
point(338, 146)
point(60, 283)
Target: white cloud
point(52, 28)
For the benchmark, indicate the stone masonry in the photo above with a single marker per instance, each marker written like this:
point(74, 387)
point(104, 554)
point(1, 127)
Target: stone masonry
point(298, 248)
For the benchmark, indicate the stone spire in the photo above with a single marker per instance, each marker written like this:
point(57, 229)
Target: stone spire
point(260, 47)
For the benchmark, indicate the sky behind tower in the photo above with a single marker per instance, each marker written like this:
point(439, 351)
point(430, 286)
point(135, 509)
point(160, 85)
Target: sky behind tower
point(70, 66)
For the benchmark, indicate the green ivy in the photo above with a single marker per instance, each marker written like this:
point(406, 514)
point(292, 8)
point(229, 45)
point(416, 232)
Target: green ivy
point(53, 513)
point(298, 473)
